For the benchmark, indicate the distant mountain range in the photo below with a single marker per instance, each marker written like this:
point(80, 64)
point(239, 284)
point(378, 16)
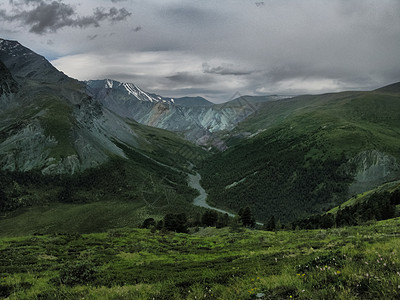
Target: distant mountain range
point(194, 117)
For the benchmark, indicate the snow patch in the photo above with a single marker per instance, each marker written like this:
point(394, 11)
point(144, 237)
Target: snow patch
point(109, 84)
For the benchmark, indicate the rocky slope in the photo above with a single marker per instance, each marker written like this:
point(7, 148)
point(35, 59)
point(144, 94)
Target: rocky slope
point(373, 168)
point(197, 118)
point(49, 122)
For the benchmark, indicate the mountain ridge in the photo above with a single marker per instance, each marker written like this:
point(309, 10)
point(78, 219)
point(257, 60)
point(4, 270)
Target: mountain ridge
point(317, 150)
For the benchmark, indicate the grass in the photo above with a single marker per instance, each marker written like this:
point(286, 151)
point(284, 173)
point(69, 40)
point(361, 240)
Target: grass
point(57, 123)
point(389, 187)
point(70, 218)
point(346, 263)
point(117, 194)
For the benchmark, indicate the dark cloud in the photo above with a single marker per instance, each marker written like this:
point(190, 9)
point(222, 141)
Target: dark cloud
point(189, 78)
point(190, 15)
point(45, 17)
point(137, 28)
point(113, 14)
point(225, 70)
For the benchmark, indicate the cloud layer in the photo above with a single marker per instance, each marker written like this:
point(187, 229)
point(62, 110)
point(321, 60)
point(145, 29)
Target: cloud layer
point(43, 17)
point(216, 48)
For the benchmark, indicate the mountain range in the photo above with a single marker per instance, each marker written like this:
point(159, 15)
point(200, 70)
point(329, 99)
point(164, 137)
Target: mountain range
point(88, 143)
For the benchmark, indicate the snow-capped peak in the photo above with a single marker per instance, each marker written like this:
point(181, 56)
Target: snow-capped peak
point(129, 88)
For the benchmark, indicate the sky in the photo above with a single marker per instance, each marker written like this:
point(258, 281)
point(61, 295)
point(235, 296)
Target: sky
point(215, 49)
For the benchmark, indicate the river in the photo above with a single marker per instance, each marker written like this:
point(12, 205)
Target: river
point(200, 200)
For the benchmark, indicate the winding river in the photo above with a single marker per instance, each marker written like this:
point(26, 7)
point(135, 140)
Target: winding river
point(194, 182)
point(200, 200)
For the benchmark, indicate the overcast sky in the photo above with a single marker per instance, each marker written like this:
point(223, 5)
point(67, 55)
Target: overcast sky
point(215, 48)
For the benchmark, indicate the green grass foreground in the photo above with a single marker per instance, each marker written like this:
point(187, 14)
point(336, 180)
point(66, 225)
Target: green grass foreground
point(347, 263)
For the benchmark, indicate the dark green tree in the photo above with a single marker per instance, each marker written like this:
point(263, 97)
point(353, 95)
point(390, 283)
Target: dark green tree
point(176, 222)
point(65, 194)
point(223, 221)
point(247, 217)
point(160, 225)
point(209, 218)
point(149, 222)
point(3, 200)
point(395, 197)
point(271, 224)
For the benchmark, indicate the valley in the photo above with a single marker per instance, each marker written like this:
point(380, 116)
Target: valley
point(105, 188)
point(286, 158)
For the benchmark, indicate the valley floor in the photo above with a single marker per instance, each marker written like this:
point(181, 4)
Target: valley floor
point(231, 263)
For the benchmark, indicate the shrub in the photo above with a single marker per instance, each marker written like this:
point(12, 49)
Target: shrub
point(79, 273)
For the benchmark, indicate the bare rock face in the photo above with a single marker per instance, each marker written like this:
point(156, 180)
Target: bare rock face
point(372, 169)
point(26, 148)
point(68, 165)
point(196, 122)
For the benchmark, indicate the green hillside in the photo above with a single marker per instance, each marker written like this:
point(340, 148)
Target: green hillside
point(119, 193)
point(388, 187)
point(346, 263)
point(301, 157)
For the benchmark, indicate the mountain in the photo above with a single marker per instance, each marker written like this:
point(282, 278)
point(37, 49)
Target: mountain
point(52, 124)
point(63, 151)
point(195, 122)
point(196, 118)
point(27, 66)
point(304, 155)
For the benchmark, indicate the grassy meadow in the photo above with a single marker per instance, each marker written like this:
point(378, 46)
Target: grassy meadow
point(230, 263)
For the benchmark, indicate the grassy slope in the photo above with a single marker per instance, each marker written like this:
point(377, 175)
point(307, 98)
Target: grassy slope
point(346, 263)
point(119, 193)
point(116, 194)
point(166, 146)
point(389, 187)
point(292, 166)
point(57, 122)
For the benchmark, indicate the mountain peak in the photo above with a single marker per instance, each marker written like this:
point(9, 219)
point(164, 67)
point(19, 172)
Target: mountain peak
point(13, 49)
point(127, 89)
point(24, 64)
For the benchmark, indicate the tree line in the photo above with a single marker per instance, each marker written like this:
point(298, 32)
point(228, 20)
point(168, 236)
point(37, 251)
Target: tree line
point(210, 218)
point(379, 206)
